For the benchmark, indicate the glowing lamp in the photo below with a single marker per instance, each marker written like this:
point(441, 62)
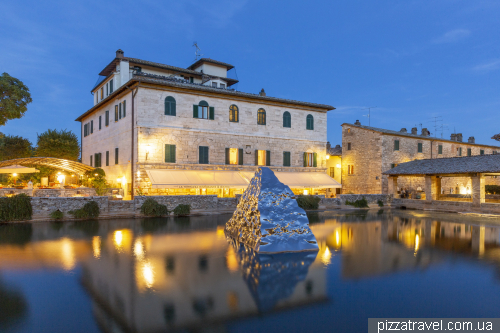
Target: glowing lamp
point(14, 174)
point(338, 166)
point(306, 192)
point(327, 157)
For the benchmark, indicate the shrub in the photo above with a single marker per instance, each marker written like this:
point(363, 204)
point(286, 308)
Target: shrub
point(308, 201)
point(182, 210)
point(16, 208)
point(152, 208)
point(56, 215)
point(380, 203)
point(89, 210)
point(360, 203)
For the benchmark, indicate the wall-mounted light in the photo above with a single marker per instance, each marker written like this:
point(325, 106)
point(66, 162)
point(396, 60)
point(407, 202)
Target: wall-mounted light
point(327, 156)
point(14, 174)
point(338, 166)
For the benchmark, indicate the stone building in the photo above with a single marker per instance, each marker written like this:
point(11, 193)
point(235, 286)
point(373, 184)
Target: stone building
point(160, 129)
point(369, 151)
point(334, 163)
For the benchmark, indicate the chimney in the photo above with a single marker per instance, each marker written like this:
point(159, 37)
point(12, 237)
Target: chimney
point(337, 146)
point(119, 53)
point(425, 132)
point(262, 92)
point(328, 145)
point(414, 131)
point(453, 137)
point(357, 123)
point(459, 137)
point(472, 139)
point(403, 130)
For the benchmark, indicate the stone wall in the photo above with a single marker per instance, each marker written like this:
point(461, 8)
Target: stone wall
point(42, 207)
point(448, 206)
point(372, 199)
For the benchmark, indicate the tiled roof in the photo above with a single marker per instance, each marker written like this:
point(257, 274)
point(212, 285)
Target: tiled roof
point(450, 165)
point(335, 151)
point(211, 61)
point(415, 136)
point(170, 81)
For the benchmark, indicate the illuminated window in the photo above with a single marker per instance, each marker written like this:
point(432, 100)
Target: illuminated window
point(350, 169)
point(332, 172)
point(348, 130)
point(102, 93)
point(261, 157)
point(310, 159)
point(233, 155)
point(233, 114)
point(261, 117)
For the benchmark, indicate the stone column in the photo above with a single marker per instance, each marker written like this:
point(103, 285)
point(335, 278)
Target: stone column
point(393, 186)
point(477, 190)
point(432, 187)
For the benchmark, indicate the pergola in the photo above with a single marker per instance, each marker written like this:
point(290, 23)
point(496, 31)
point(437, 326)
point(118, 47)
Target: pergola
point(59, 163)
point(433, 170)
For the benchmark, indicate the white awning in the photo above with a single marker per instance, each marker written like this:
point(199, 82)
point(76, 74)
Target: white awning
point(196, 179)
point(234, 179)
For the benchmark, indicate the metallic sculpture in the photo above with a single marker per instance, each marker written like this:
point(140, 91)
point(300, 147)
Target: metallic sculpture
point(268, 218)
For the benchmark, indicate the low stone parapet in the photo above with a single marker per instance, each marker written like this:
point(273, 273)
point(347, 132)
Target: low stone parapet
point(42, 207)
point(372, 199)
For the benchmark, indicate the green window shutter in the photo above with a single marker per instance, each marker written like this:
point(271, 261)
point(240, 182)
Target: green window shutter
point(284, 153)
point(110, 86)
point(116, 155)
point(107, 158)
point(305, 160)
point(256, 157)
point(481, 152)
point(440, 149)
point(124, 109)
point(211, 113)
point(167, 107)
point(315, 160)
point(268, 158)
point(96, 160)
point(173, 111)
point(286, 158)
point(227, 155)
point(419, 147)
point(167, 153)
point(396, 144)
point(469, 152)
point(460, 151)
point(91, 126)
point(200, 157)
point(90, 160)
point(120, 111)
point(195, 111)
point(240, 156)
point(172, 153)
point(203, 155)
point(116, 112)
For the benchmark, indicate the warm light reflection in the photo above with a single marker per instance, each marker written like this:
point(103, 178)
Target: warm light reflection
point(148, 275)
point(96, 246)
point(139, 250)
point(67, 254)
point(122, 239)
point(118, 238)
point(220, 232)
point(337, 238)
point(326, 257)
point(417, 243)
point(231, 260)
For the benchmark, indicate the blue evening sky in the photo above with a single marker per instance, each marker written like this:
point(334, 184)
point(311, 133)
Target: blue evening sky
point(413, 60)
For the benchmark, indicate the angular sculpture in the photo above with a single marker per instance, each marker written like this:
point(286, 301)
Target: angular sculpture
point(268, 218)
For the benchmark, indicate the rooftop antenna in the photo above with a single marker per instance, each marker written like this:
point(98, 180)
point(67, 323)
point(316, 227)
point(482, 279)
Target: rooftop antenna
point(436, 120)
point(369, 113)
point(197, 52)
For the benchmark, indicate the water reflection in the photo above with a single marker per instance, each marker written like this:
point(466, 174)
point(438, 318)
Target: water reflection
point(159, 274)
point(13, 306)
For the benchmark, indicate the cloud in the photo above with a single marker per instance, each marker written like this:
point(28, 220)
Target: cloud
point(489, 66)
point(452, 36)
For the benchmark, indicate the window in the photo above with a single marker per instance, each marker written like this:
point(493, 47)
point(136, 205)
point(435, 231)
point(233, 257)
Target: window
point(286, 159)
point(332, 172)
point(223, 86)
point(494, 152)
point(102, 93)
point(203, 155)
point(214, 84)
point(116, 155)
point(90, 160)
point(310, 159)
point(91, 127)
point(203, 111)
point(170, 106)
point(100, 122)
point(393, 165)
point(234, 156)
point(124, 108)
point(97, 160)
point(350, 169)
point(310, 122)
point(106, 118)
point(469, 152)
point(440, 149)
point(111, 86)
point(107, 158)
point(120, 111)
point(107, 89)
point(261, 117)
point(348, 130)
point(287, 119)
point(116, 113)
point(396, 144)
point(481, 152)
point(233, 114)
point(85, 130)
point(169, 153)
point(263, 157)
point(419, 147)
point(459, 151)
point(348, 146)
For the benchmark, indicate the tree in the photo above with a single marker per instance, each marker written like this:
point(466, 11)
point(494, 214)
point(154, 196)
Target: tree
point(59, 144)
point(14, 98)
point(12, 147)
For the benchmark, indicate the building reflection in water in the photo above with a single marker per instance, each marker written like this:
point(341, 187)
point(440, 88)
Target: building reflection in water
point(151, 276)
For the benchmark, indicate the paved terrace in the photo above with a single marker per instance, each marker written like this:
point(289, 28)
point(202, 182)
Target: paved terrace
point(475, 167)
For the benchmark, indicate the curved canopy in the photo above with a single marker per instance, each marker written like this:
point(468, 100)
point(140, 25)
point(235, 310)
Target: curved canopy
point(59, 163)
